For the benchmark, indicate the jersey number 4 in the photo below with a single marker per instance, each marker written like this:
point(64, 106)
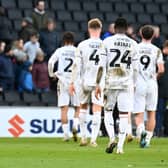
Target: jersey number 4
point(67, 68)
point(124, 58)
point(94, 57)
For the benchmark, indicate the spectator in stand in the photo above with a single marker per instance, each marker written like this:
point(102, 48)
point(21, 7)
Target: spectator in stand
point(48, 38)
point(2, 46)
point(32, 46)
point(26, 29)
point(163, 94)
point(5, 28)
point(39, 15)
point(131, 32)
point(18, 51)
point(110, 31)
point(7, 69)
point(157, 40)
point(40, 73)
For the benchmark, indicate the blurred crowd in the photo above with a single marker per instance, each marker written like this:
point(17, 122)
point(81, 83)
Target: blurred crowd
point(23, 61)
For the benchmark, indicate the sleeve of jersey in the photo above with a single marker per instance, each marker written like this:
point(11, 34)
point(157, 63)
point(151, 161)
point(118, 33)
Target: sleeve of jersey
point(76, 65)
point(51, 64)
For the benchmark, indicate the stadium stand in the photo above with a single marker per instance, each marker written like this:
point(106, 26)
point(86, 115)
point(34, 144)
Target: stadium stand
point(73, 15)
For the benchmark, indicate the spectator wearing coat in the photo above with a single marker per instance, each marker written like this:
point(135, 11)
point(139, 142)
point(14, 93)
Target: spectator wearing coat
point(48, 38)
point(40, 73)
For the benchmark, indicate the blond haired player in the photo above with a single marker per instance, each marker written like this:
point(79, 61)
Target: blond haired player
point(91, 61)
point(65, 57)
point(146, 92)
point(119, 82)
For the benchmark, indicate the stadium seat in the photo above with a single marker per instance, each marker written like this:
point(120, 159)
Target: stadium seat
point(57, 5)
point(59, 26)
point(152, 8)
point(164, 8)
point(160, 1)
point(96, 15)
point(71, 26)
point(130, 17)
point(25, 4)
point(145, 1)
point(51, 14)
point(49, 99)
point(83, 26)
point(80, 16)
point(27, 12)
point(17, 24)
point(8, 4)
point(73, 5)
point(121, 7)
point(64, 16)
point(105, 7)
point(159, 19)
point(12, 98)
point(89, 6)
point(164, 28)
point(31, 99)
point(137, 8)
point(111, 17)
point(144, 18)
point(79, 36)
point(14, 14)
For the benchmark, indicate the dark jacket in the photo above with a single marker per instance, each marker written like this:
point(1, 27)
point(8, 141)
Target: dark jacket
point(6, 72)
point(163, 81)
point(5, 29)
point(39, 20)
point(48, 41)
point(26, 32)
point(40, 75)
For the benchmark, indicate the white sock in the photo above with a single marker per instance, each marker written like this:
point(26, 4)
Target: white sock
point(75, 123)
point(83, 123)
point(140, 129)
point(149, 137)
point(129, 129)
point(65, 130)
point(109, 124)
point(96, 121)
point(123, 125)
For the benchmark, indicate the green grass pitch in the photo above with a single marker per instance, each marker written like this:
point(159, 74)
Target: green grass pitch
point(54, 153)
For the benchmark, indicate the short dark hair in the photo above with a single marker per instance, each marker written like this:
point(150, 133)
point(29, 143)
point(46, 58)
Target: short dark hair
point(8, 47)
point(37, 2)
point(121, 24)
point(68, 38)
point(147, 32)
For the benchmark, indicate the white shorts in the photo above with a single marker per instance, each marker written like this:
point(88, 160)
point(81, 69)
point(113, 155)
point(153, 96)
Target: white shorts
point(124, 99)
point(146, 96)
point(87, 95)
point(64, 98)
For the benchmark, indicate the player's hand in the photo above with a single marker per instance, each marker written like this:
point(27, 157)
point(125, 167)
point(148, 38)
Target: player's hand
point(71, 89)
point(97, 92)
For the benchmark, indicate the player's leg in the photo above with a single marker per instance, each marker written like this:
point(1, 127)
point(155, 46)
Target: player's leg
point(83, 124)
point(64, 121)
point(63, 103)
point(96, 119)
point(139, 122)
point(108, 119)
point(75, 123)
point(152, 98)
point(129, 129)
point(125, 105)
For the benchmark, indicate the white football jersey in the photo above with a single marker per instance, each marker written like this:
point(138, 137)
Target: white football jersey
point(65, 57)
point(121, 61)
point(148, 57)
point(92, 55)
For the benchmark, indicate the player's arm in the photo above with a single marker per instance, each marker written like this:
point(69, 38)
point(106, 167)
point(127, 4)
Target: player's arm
point(51, 64)
point(160, 64)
